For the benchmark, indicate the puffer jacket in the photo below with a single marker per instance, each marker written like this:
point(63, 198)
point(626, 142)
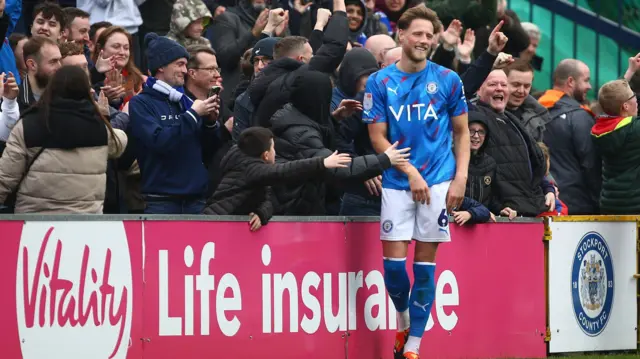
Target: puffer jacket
point(246, 181)
point(533, 117)
point(184, 13)
point(482, 172)
point(298, 137)
point(69, 176)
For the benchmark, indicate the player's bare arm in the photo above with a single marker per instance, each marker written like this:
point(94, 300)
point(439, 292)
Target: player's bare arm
point(419, 187)
point(462, 150)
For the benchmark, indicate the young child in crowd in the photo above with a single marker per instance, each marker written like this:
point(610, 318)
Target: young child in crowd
point(188, 22)
point(472, 212)
point(561, 208)
point(249, 168)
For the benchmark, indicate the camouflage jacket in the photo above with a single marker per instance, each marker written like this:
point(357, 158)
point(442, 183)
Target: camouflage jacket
point(184, 13)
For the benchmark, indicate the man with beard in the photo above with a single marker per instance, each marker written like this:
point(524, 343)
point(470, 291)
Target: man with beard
point(42, 58)
point(48, 21)
point(575, 164)
point(172, 133)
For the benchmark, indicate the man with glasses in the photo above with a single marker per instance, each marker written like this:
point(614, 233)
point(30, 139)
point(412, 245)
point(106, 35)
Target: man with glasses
point(616, 135)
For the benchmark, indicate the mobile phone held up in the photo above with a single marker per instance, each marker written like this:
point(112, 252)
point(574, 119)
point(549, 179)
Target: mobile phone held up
point(215, 90)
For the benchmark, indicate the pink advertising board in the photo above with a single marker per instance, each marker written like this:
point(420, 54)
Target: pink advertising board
point(203, 289)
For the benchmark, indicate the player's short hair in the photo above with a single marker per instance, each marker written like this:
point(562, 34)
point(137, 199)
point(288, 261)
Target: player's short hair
point(51, 10)
point(289, 45)
point(254, 141)
point(70, 49)
point(33, 47)
point(194, 50)
point(71, 13)
point(518, 65)
point(420, 12)
point(93, 29)
point(612, 95)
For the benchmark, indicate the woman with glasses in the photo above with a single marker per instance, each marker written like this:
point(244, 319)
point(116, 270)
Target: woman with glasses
point(482, 167)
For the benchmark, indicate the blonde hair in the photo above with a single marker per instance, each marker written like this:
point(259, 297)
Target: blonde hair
point(612, 95)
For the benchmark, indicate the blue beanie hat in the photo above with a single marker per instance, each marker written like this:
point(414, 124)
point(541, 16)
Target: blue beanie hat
point(264, 47)
point(162, 51)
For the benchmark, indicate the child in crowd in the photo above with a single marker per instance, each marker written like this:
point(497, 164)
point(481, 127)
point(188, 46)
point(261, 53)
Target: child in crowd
point(188, 22)
point(472, 212)
point(561, 208)
point(249, 168)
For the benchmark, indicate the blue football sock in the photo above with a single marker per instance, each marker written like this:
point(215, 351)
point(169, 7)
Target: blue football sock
point(396, 279)
point(422, 296)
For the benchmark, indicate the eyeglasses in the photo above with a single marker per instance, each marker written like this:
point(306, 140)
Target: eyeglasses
point(210, 69)
point(480, 133)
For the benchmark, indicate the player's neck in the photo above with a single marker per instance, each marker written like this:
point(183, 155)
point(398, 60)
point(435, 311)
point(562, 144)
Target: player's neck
point(408, 66)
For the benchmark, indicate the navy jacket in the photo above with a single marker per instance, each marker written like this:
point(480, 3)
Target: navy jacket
point(170, 142)
point(479, 213)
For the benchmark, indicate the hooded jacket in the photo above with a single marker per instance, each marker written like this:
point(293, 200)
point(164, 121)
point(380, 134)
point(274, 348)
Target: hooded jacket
point(123, 13)
point(170, 143)
point(618, 141)
point(303, 129)
point(230, 35)
point(533, 117)
point(184, 13)
point(520, 165)
point(69, 176)
point(482, 172)
point(271, 90)
point(246, 181)
point(575, 163)
point(370, 26)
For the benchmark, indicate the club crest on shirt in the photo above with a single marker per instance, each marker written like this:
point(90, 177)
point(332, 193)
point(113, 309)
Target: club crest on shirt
point(432, 88)
point(487, 180)
point(368, 101)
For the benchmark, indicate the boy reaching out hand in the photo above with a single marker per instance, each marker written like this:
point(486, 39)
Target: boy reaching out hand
point(249, 168)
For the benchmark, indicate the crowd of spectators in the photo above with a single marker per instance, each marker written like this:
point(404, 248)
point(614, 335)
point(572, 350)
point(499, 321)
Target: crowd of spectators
point(239, 106)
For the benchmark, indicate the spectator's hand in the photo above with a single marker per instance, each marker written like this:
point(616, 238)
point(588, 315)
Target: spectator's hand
point(455, 194)
point(419, 188)
point(300, 8)
point(103, 64)
point(346, 108)
point(465, 48)
point(2, 76)
point(492, 217)
point(557, 191)
point(374, 186)
point(396, 156)
point(205, 107)
point(282, 28)
point(550, 201)
point(11, 88)
point(322, 18)
point(503, 60)
point(634, 66)
point(461, 217)
point(451, 37)
point(114, 93)
point(229, 124)
point(337, 160)
point(103, 104)
point(213, 115)
point(125, 109)
point(508, 212)
point(254, 222)
point(275, 19)
point(114, 78)
point(219, 11)
point(497, 40)
point(261, 23)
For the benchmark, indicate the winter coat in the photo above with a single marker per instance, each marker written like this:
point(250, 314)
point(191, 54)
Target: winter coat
point(533, 117)
point(575, 163)
point(246, 181)
point(618, 141)
point(69, 176)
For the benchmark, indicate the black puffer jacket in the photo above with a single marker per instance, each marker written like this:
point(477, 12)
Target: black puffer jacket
point(303, 130)
point(245, 183)
point(482, 172)
point(270, 91)
point(520, 162)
